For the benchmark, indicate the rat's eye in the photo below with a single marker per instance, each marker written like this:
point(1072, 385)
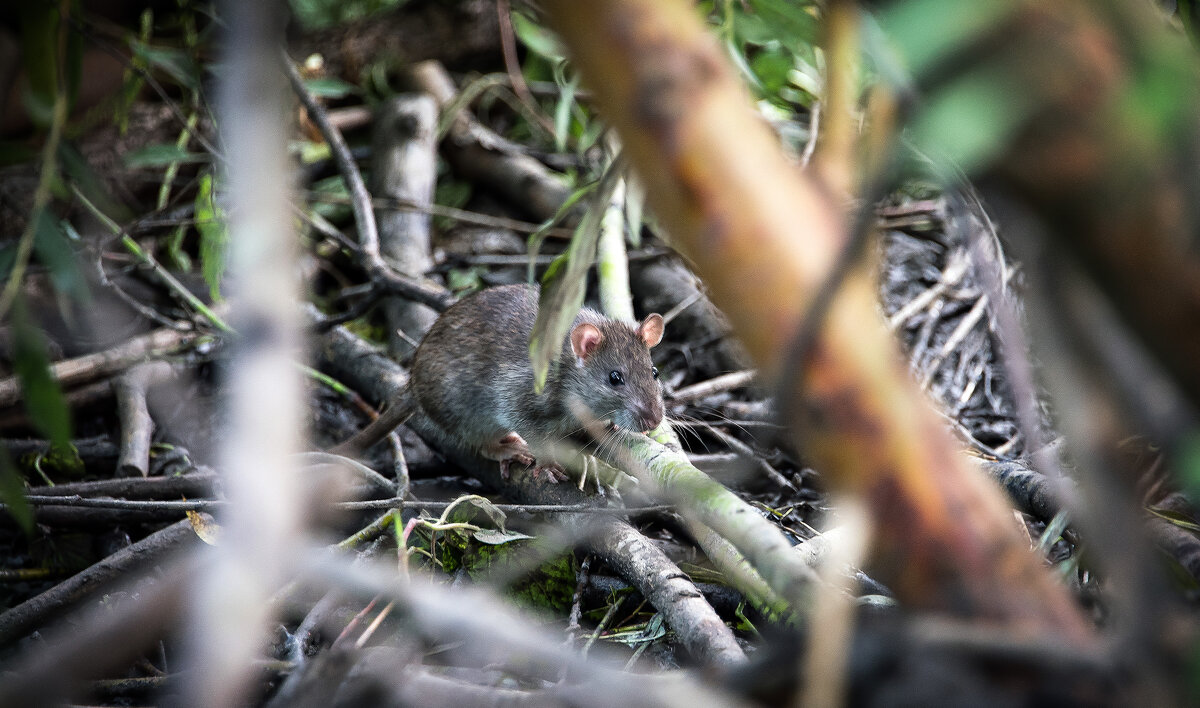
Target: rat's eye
point(615, 378)
point(654, 371)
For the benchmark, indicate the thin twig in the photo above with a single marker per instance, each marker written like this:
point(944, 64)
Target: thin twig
point(26, 616)
point(448, 212)
point(508, 45)
point(77, 501)
point(71, 372)
point(715, 385)
point(148, 259)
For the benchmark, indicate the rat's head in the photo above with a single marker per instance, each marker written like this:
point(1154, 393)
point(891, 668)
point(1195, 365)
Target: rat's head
point(611, 372)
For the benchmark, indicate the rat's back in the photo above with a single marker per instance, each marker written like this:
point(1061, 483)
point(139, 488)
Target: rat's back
point(473, 361)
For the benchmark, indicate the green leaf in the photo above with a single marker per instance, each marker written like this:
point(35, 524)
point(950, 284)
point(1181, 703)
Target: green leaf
point(313, 14)
point(740, 63)
point(1159, 104)
point(174, 62)
point(58, 460)
point(162, 155)
point(970, 120)
point(492, 537)
point(1175, 518)
point(330, 87)
point(807, 78)
point(90, 184)
point(133, 81)
point(750, 28)
point(12, 493)
point(562, 112)
point(39, 33)
point(214, 236)
point(791, 20)
point(564, 282)
point(640, 634)
point(772, 67)
point(452, 192)
point(53, 249)
point(44, 401)
point(537, 38)
point(928, 31)
point(535, 240)
point(180, 259)
point(458, 510)
point(462, 281)
point(334, 186)
point(319, 14)
point(310, 151)
point(635, 208)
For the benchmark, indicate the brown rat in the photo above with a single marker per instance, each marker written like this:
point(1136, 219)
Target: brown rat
point(472, 377)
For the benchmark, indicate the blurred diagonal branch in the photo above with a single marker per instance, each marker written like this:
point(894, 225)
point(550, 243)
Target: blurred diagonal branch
point(764, 237)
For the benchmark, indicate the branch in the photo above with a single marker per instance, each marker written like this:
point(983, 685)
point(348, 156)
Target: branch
point(764, 238)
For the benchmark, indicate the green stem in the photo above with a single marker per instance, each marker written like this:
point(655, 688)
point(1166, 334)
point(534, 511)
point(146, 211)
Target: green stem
point(148, 259)
point(370, 531)
point(612, 265)
point(665, 470)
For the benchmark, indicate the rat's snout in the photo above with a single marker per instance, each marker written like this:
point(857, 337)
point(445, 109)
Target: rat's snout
point(647, 415)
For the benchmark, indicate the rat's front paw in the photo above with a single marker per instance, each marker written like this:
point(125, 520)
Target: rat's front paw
point(520, 458)
point(554, 473)
point(508, 449)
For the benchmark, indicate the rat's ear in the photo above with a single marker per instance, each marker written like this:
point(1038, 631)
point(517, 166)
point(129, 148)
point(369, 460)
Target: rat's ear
point(584, 340)
point(651, 329)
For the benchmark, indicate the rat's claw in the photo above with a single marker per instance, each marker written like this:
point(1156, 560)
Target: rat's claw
point(554, 473)
point(520, 458)
point(507, 449)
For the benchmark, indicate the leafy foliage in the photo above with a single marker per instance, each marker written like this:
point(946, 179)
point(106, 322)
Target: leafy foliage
point(162, 155)
point(53, 248)
point(176, 63)
point(12, 493)
point(330, 87)
point(470, 536)
point(773, 44)
point(44, 401)
point(565, 280)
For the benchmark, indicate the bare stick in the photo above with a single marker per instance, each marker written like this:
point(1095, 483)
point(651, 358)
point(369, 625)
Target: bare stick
point(70, 372)
point(136, 425)
point(368, 233)
point(100, 640)
point(404, 167)
point(189, 485)
point(715, 385)
point(263, 389)
point(27, 616)
point(475, 154)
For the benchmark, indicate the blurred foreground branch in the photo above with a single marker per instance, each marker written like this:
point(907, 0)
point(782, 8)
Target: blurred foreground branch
point(764, 239)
